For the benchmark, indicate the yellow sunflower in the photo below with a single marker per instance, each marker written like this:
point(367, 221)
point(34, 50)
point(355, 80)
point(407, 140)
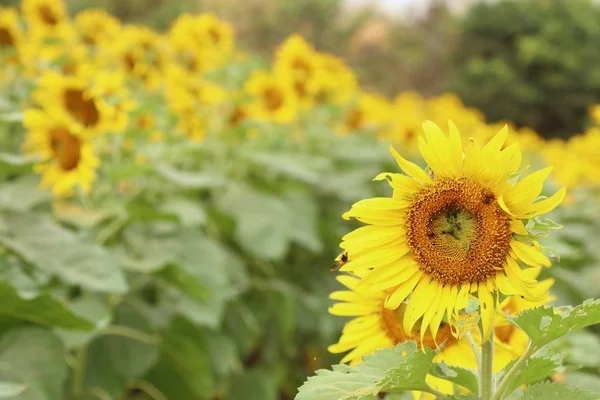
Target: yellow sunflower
point(66, 158)
point(375, 327)
point(46, 18)
point(337, 83)
point(371, 111)
point(201, 42)
point(11, 36)
point(455, 230)
point(79, 99)
point(97, 27)
point(273, 99)
point(297, 61)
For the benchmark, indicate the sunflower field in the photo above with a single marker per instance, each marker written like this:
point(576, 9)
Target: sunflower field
point(171, 208)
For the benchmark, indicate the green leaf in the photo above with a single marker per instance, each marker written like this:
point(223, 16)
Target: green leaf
point(583, 380)
point(183, 370)
point(460, 376)
point(469, 396)
point(543, 324)
point(93, 306)
point(579, 348)
point(296, 166)
point(400, 368)
point(534, 370)
point(11, 389)
point(36, 359)
point(305, 228)
point(58, 251)
point(22, 194)
point(185, 281)
point(254, 384)
point(557, 391)
point(189, 180)
point(42, 310)
point(189, 213)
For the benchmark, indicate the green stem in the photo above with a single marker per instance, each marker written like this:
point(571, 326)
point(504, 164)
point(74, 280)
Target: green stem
point(435, 392)
point(505, 381)
point(486, 371)
point(125, 331)
point(149, 389)
point(77, 384)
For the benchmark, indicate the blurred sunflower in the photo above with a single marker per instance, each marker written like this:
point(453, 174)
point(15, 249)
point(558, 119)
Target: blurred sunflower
point(337, 83)
point(273, 99)
point(371, 111)
point(296, 61)
point(201, 42)
point(46, 18)
point(65, 157)
point(97, 27)
point(375, 327)
point(141, 53)
point(453, 231)
point(79, 99)
point(11, 36)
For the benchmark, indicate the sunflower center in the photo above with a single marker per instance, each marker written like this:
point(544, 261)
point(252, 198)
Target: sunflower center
point(66, 148)
point(6, 38)
point(302, 66)
point(47, 15)
point(273, 98)
point(458, 232)
point(215, 35)
point(82, 109)
point(392, 324)
point(355, 119)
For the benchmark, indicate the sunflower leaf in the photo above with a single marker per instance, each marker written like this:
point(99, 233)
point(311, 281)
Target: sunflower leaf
point(461, 376)
point(545, 324)
point(396, 369)
point(534, 370)
point(42, 310)
point(557, 391)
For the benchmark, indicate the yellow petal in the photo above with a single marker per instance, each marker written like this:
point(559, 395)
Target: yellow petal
point(419, 302)
point(486, 309)
point(410, 168)
point(517, 226)
point(528, 254)
point(400, 294)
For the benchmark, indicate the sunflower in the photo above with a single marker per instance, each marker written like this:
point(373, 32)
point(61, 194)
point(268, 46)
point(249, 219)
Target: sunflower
point(97, 27)
point(201, 42)
point(81, 100)
point(66, 158)
point(11, 36)
point(371, 111)
point(337, 82)
point(374, 327)
point(455, 230)
point(273, 98)
point(297, 61)
point(46, 18)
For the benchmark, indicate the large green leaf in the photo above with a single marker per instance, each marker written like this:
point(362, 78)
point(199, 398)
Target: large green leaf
point(544, 324)
point(11, 389)
point(183, 370)
point(534, 370)
point(22, 194)
point(296, 166)
point(557, 391)
point(400, 368)
point(43, 310)
point(35, 358)
point(58, 251)
point(460, 376)
point(189, 180)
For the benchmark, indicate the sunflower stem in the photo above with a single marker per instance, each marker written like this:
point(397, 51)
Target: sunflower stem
point(505, 381)
point(77, 383)
point(486, 370)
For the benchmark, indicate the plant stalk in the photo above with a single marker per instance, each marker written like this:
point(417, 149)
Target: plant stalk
point(505, 381)
point(486, 371)
point(77, 383)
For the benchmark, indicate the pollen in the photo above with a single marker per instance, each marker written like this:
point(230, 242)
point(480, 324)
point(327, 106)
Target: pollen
point(458, 232)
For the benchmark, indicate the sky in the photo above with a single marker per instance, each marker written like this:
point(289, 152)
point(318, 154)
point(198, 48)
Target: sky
point(401, 6)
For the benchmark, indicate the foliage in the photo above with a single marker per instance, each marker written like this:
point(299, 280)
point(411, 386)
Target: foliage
point(528, 62)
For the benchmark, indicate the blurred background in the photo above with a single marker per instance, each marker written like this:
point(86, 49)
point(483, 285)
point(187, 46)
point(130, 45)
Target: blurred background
point(170, 209)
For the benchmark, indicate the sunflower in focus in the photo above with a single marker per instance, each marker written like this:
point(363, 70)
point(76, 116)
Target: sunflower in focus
point(273, 99)
point(65, 157)
point(451, 232)
point(375, 327)
point(97, 27)
point(46, 18)
point(11, 36)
